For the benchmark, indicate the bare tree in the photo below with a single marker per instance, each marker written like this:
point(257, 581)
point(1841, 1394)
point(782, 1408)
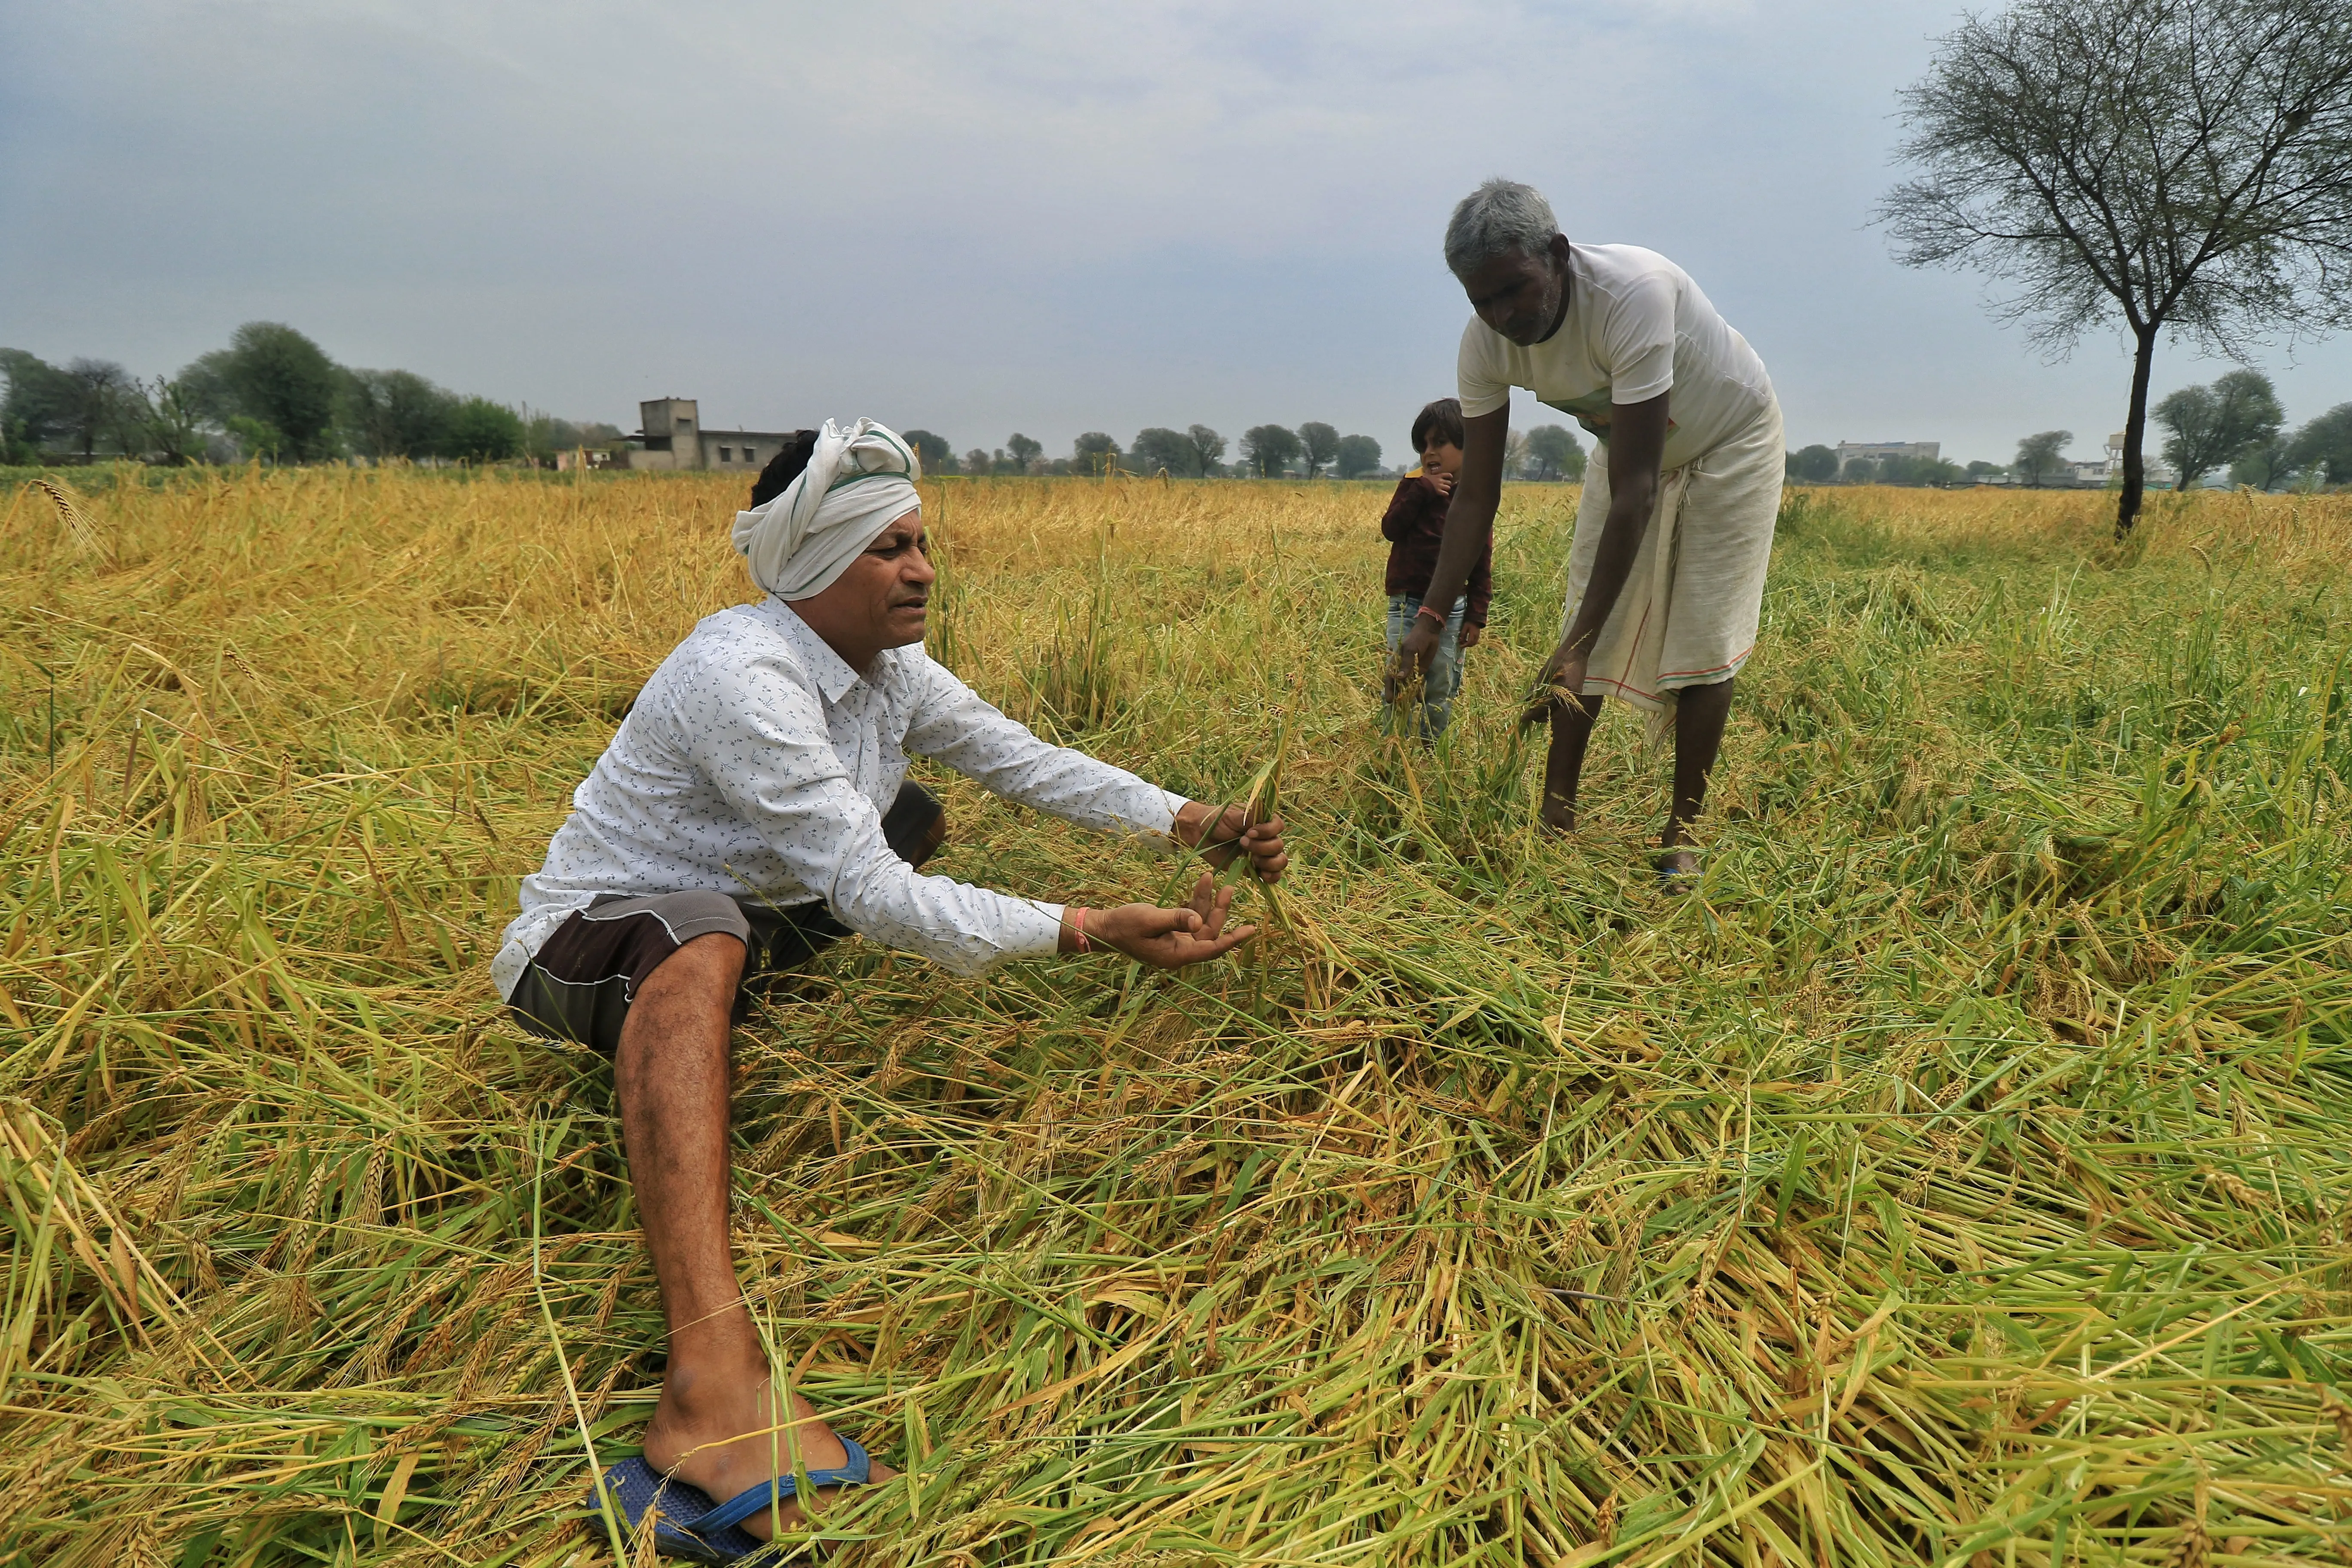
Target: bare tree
point(169, 424)
point(2184, 163)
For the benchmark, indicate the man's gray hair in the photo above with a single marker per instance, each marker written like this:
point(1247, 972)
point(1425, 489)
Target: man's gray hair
point(1498, 217)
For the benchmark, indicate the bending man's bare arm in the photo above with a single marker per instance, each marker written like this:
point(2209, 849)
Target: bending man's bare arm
point(1637, 440)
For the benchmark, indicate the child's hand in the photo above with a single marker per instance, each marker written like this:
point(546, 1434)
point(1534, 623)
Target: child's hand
point(1470, 635)
point(1439, 481)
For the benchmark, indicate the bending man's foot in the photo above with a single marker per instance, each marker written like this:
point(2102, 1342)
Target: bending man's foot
point(719, 1435)
point(1559, 812)
point(1677, 868)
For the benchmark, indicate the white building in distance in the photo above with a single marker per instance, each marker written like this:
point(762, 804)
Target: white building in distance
point(2109, 469)
point(1879, 452)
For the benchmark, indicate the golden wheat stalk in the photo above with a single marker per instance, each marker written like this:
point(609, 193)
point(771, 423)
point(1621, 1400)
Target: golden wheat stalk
point(86, 539)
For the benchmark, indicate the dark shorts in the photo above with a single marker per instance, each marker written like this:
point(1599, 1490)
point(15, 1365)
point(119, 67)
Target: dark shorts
point(580, 984)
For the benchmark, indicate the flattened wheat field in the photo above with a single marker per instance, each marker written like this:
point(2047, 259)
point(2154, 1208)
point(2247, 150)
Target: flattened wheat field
point(1963, 1175)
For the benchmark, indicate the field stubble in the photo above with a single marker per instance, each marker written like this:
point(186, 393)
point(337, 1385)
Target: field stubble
point(1960, 1177)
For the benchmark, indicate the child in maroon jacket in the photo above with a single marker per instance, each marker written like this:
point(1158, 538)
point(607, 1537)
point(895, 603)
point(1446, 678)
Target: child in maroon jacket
point(1414, 527)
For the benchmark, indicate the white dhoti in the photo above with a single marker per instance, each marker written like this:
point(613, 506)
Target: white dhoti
point(1688, 612)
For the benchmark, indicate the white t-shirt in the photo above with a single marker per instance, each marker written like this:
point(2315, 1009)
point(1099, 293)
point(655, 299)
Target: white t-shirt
point(1636, 326)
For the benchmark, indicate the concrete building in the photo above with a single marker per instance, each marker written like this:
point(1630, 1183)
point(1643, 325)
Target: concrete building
point(2109, 469)
point(670, 436)
point(1879, 452)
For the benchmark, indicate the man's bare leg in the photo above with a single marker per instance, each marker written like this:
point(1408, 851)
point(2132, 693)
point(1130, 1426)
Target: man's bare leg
point(1571, 731)
point(1700, 714)
point(671, 1074)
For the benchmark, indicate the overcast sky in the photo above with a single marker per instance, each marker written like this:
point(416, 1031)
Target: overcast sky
point(978, 218)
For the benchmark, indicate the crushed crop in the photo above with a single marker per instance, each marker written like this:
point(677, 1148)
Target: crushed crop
point(1961, 1176)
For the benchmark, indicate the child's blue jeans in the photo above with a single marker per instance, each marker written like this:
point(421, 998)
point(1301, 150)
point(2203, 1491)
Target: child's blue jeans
point(1445, 676)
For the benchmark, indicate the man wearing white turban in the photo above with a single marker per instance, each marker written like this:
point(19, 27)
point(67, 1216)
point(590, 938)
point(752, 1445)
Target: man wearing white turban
point(798, 542)
point(751, 808)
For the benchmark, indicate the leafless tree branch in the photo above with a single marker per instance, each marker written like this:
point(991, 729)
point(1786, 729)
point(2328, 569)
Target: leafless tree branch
point(2175, 167)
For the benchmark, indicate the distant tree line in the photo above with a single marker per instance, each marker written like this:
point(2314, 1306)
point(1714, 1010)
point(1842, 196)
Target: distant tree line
point(2235, 426)
point(1819, 465)
point(1196, 452)
point(1268, 451)
point(2040, 459)
point(272, 395)
point(275, 395)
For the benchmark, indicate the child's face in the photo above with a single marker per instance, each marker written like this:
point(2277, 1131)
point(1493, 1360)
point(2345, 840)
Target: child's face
point(1441, 458)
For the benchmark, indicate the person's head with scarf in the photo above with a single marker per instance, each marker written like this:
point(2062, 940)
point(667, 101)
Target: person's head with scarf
point(835, 530)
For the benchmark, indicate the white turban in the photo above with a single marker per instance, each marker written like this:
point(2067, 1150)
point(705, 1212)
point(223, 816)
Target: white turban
point(858, 482)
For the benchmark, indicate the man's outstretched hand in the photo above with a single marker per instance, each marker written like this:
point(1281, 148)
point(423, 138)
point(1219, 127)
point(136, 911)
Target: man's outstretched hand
point(1412, 658)
point(1223, 837)
point(1559, 683)
point(1417, 650)
point(1192, 932)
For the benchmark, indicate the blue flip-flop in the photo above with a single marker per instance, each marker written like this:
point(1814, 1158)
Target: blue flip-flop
point(1674, 880)
point(685, 1521)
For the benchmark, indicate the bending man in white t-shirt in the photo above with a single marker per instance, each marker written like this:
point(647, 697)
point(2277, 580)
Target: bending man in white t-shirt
point(1675, 529)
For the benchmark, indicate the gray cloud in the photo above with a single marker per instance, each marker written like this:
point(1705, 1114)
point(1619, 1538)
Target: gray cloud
point(1044, 217)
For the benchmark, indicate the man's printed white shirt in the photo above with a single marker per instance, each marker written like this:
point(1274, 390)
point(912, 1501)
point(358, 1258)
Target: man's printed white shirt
point(756, 763)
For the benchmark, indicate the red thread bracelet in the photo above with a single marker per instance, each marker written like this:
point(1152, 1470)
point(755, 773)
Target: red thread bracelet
point(1078, 928)
point(1433, 615)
